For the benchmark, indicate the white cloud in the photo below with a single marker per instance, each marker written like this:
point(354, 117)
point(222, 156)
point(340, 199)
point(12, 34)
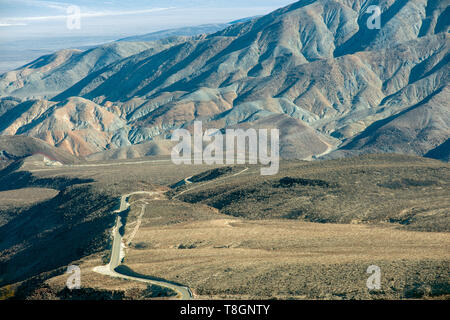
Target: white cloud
point(89, 14)
point(12, 24)
point(37, 3)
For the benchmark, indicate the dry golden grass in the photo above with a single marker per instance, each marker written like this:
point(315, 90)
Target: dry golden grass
point(229, 257)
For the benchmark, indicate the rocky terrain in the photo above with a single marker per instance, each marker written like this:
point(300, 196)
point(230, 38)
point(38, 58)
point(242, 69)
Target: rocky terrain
point(332, 84)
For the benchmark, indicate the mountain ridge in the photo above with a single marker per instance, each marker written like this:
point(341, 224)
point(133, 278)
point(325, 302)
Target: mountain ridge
point(313, 61)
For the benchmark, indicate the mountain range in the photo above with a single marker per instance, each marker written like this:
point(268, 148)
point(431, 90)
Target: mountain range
point(312, 69)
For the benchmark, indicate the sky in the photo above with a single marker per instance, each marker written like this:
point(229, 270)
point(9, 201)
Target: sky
point(32, 28)
point(37, 18)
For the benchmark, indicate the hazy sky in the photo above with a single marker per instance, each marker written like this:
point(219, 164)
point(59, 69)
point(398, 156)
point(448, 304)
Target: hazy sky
point(32, 28)
point(21, 19)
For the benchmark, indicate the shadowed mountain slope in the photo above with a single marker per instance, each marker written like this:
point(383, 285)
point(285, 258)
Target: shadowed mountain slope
point(416, 130)
point(441, 152)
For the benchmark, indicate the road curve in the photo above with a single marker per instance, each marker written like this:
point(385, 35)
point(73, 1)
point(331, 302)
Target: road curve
point(118, 253)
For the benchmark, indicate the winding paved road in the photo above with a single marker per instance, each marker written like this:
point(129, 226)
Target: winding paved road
point(118, 247)
point(118, 253)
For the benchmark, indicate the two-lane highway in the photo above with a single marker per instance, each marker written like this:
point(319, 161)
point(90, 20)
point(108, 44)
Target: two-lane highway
point(118, 253)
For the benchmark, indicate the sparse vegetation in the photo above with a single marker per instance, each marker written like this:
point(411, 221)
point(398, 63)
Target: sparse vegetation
point(55, 232)
point(243, 236)
point(370, 189)
point(153, 291)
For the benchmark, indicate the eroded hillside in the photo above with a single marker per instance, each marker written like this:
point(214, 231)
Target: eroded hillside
point(316, 62)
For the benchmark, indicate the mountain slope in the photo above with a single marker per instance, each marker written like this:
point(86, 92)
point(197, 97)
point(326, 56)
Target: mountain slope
point(76, 125)
point(185, 31)
point(146, 149)
point(415, 130)
point(303, 32)
point(51, 74)
point(297, 139)
point(18, 147)
point(314, 61)
point(178, 32)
